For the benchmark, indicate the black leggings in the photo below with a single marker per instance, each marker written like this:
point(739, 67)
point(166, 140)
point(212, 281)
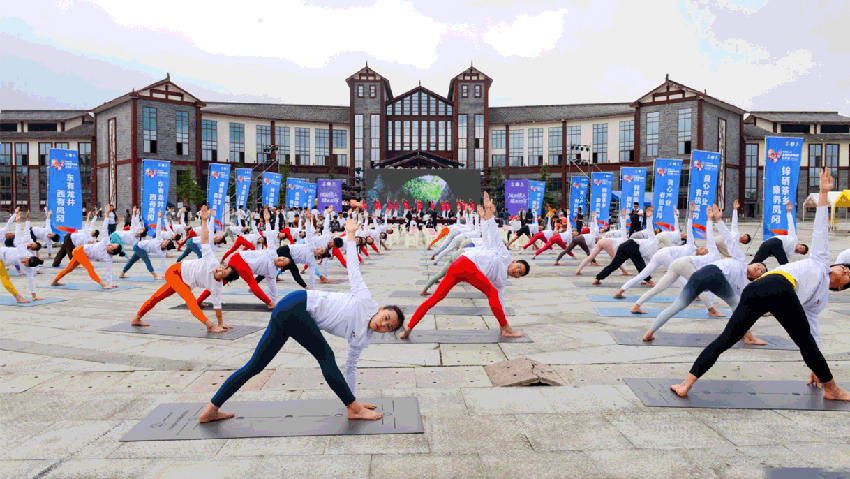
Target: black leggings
point(772, 247)
point(523, 231)
point(576, 241)
point(289, 319)
point(628, 250)
point(775, 294)
point(67, 248)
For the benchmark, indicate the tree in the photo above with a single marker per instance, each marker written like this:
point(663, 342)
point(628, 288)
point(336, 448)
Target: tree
point(189, 189)
point(549, 197)
point(332, 174)
point(497, 187)
point(283, 169)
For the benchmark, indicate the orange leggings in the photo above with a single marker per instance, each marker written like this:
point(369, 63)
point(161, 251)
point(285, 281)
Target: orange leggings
point(443, 233)
point(78, 257)
point(174, 284)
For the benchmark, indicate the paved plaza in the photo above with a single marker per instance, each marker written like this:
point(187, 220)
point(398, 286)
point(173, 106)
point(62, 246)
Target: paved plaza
point(69, 392)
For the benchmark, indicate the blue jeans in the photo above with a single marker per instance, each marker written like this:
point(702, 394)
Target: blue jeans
point(191, 247)
point(138, 253)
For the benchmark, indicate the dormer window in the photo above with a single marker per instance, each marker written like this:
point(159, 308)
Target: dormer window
point(464, 91)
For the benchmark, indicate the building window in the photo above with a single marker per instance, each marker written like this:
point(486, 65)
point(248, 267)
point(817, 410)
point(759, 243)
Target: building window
point(181, 127)
point(479, 141)
point(22, 157)
point(627, 141)
point(516, 147)
point(831, 160)
point(5, 173)
point(340, 140)
point(477, 91)
point(433, 107)
point(264, 141)
point(44, 153)
point(555, 144)
point(441, 132)
point(302, 146)
point(237, 142)
point(600, 143)
point(432, 135)
point(652, 122)
point(375, 138)
point(831, 129)
point(405, 139)
point(42, 127)
point(358, 141)
point(815, 162)
point(442, 109)
point(464, 91)
point(149, 129)
point(281, 139)
point(535, 146)
point(449, 146)
point(8, 127)
point(397, 135)
point(414, 135)
point(373, 91)
point(209, 140)
point(322, 149)
point(497, 139)
point(791, 128)
point(462, 142)
point(685, 131)
point(22, 188)
point(61, 145)
point(359, 91)
point(573, 142)
point(405, 104)
point(341, 160)
point(751, 163)
point(497, 161)
point(414, 99)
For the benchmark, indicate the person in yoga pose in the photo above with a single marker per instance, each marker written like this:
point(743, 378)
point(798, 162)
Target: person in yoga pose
point(639, 251)
point(45, 234)
point(726, 278)
point(302, 315)
point(584, 241)
point(83, 255)
point(17, 258)
point(795, 294)
point(609, 242)
point(486, 268)
point(145, 248)
point(782, 247)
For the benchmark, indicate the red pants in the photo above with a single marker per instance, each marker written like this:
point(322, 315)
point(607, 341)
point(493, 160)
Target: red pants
point(240, 241)
point(537, 237)
point(247, 275)
point(463, 269)
point(554, 240)
point(363, 250)
point(338, 254)
point(174, 284)
point(189, 234)
point(288, 235)
point(375, 247)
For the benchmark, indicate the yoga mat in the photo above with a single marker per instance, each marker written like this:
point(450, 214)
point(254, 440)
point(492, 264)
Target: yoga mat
point(10, 301)
point(247, 292)
point(421, 282)
point(93, 287)
point(449, 336)
point(635, 338)
point(184, 330)
point(317, 417)
point(452, 295)
point(606, 298)
point(258, 306)
point(612, 312)
point(803, 473)
point(716, 394)
point(142, 279)
point(456, 310)
point(608, 282)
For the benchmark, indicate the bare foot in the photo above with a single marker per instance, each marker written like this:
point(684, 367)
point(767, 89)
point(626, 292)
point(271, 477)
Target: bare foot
point(557, 262)
point(325, 280)
point(122, 275)
point(750, 339)
point(509, 332)
point(363, 411)
point(626, 273)
point(211, 413)
point(578, 272)
point(636, 310)
point(832, 392)
point(424, 292)
point(137, 321)
point(619, 294)
point(649, 336)
point(714, 313)
point(218, 329)
point(681, 390)
point(649, 283)
point(57, 283)
point(596, 282)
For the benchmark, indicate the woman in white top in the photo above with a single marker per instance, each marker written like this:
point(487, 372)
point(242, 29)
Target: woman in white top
point(795, 294)
point(83, 255)
point(609, 242)
point(302, 315)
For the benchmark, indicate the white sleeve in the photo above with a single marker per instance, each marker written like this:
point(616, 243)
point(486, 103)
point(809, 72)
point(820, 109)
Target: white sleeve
point(358, 286)
point(734, 229)
point(710, 243)
point(731, 244)
point(351, 368)
point(30, 272)
point(820, 236)
point(108, 269)
point(9, 223)
point(690, 231)
point(792, 230)
point(271, 282)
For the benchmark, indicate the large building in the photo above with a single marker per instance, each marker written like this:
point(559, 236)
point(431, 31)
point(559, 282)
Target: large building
point(416, 129)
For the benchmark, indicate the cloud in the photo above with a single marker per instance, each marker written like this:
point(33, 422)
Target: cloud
point(746, 6)
point(527, 36)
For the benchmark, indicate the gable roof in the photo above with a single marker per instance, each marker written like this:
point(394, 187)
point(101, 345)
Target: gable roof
point(422, 89)
point(367, 74)
point(801, 116)
point(672, 86)
point(508, 115)
point(40, 115)
point(470, 74)
point(80, 132)
point(147, 92)
point(270, 111)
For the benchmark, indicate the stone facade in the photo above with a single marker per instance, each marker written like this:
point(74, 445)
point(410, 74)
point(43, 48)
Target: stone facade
point(166, 133)
point(470, 106)
point(668, 130)
point(366, 106)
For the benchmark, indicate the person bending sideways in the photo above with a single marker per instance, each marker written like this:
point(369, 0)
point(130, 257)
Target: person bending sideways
point(302, 316)
point(204, 273)
point(17, 258)
point(781, 247)
point(85, 254)
point(145, 248)
point(264, 264)
point(585, 241)
point(638, 250)
point(795, 294)
point(46, 234)
point(743, 239)
point(486, 268)
point(609, 242)
point(726, 278)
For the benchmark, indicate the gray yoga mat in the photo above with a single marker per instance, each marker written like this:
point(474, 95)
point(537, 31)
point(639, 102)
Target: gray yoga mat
point(452, 295)
point(10, 301)
point(613, 312)
point(421, 282)
point(608, 282)
point(716, 394)
point(142, 279)
point(607, 298)
point(258, 306)
point(94, 287)
point(247, 292)
point(449, 336)
point(804, 473)
point(635, 338)
point(456, 310)
point(317, 417)
point(183, 329)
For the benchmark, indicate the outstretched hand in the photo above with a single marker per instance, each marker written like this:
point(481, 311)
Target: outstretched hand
point(205, 213)
point(826, 182)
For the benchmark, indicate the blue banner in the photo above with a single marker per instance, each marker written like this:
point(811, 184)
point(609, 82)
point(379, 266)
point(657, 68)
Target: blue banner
point(665, 197)
point(310, 194)
point(516, 195)
point(330, 194)
point(294, 192)
point(155, 185)
point(536, 192)
point(632, 189)
point(271, 188)
point(578, 196)
point(600, 198)
point(217, 191)
point(705, 166)
point(63, 192)
point(243, 183)
point(781, 174)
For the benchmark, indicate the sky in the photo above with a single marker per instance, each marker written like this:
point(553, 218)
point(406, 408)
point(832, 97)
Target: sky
point(755, 54)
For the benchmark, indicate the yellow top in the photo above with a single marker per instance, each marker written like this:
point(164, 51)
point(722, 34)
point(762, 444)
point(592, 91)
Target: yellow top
point(784, 275)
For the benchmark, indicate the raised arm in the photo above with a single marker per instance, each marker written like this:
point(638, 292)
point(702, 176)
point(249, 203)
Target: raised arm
point(731, 244)
point(690, 226)
point(734, 228)
point(820, 235)
point(358, 286)
point(792, 229)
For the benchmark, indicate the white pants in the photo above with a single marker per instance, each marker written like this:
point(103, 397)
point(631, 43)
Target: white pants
point(681, 270)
